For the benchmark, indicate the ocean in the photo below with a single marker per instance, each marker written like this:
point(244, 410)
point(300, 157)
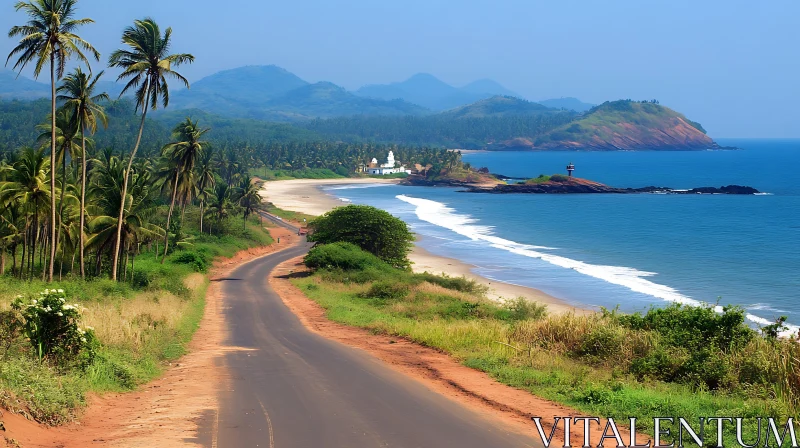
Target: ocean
point(631, 251)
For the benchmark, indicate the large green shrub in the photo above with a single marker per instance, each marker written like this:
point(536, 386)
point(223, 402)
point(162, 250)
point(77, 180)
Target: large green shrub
point(343, 256)
point(51, 326)
point(196, 260)
point(369, 228)
point(387, 291)
point(692, 327)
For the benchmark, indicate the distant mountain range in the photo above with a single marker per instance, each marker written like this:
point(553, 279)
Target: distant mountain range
point(428, 91)
point(21, 88)
point(272, 93)
point(421, 110)
point(13, 87)
point(275, 94)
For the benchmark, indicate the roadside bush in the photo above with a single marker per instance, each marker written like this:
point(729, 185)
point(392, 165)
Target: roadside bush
point(387, 291)
point(462, 284)
point(603, 342)
point(141, 279)
point(344, 256)
point(523, 309)
point(373, 230)
point(196, 260)
point(694, 327)
point(51, 326)
point(10, 332)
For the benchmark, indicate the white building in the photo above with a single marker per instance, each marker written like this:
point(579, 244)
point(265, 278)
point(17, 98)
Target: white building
point(387, 168)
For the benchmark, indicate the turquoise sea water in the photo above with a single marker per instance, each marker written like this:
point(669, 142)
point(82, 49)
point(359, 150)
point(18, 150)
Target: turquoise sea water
point(634, 251)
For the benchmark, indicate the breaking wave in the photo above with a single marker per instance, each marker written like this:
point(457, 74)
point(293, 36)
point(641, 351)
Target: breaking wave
point(635, 280)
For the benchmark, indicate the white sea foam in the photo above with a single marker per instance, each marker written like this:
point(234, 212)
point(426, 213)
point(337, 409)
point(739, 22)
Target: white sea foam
point(635, 280)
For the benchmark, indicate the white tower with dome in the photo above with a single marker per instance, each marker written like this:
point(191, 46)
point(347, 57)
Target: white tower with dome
point(386, 168)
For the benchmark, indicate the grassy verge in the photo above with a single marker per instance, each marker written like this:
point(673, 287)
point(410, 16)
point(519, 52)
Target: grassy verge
point(601, 364)
point(142, 325)
point(289, 215)
point(306, 173)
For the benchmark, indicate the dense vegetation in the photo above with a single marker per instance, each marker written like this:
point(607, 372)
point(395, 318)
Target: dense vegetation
point(373, 230)
point(677, 361)
point(627, 124)
point(101, 252)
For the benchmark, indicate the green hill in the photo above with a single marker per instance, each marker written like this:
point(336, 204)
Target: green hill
point(568, 104)
point(239, 88)
point(325, 99)
point(499, 106)
point(628, 125)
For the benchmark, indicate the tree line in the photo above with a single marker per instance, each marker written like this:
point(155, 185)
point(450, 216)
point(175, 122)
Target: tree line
point(57, 205)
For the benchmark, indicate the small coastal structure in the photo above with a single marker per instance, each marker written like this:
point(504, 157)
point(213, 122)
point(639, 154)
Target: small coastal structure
point(570, 168)
point(390, 167)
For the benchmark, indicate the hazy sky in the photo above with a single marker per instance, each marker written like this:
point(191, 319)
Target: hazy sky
point(732, 65)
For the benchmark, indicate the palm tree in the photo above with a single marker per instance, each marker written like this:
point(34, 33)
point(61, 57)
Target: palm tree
point(146, 66)
point(139, 207)
point(182, 156)
point(249, 199)
point(221, 204)
point(205, 180)
point(78, 94)
point(27, 187)
point(50, 36)
point(66, 146)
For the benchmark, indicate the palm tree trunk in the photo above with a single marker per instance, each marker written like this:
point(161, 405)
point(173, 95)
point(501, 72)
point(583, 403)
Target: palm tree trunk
point(61, 210)
point(3, 261)
point(83, 201)
point(169, 215)
point(201, 216)
point(43, 252)
point(14, 261)
point(133, 264)
point(115, 262)
point(24, 248)
point(52, 167)
point(125, 270)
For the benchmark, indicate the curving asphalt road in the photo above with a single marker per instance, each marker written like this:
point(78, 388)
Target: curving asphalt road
point(296, 389)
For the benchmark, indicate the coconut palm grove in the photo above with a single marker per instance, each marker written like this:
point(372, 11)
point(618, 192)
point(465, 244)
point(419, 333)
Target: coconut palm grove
point(76, 207)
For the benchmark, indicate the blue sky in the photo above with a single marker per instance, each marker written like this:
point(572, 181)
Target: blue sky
point(732, 65)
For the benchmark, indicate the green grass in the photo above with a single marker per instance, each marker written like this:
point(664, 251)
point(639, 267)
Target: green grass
point(141, 327)
point(289, 215)
point(305, 173)
point(474, 332)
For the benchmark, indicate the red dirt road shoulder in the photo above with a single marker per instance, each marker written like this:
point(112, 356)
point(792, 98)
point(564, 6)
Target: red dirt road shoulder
point(166, 412)
point(438, 371)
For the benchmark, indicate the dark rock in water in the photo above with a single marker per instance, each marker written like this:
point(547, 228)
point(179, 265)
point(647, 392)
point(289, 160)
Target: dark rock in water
point(582, 186)
point(730, 189)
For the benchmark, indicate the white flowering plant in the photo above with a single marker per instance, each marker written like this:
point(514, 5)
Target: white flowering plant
point(52, 327)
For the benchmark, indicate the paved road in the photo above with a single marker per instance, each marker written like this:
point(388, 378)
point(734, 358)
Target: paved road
point(298, 389)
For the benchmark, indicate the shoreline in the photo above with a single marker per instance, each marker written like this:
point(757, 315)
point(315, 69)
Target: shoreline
point(306, 196)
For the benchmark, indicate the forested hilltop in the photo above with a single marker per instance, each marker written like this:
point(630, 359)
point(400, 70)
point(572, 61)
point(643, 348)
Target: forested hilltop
point(497, 123)
point(266, 104)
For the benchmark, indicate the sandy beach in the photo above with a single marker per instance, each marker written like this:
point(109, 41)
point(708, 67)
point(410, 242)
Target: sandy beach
point(306, 196)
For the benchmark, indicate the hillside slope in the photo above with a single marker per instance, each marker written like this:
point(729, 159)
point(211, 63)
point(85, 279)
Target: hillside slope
point(430, 92)
point(498, 106)
point(568, 103)
point(325, 99)
point(21, 88)
point(626, 125)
